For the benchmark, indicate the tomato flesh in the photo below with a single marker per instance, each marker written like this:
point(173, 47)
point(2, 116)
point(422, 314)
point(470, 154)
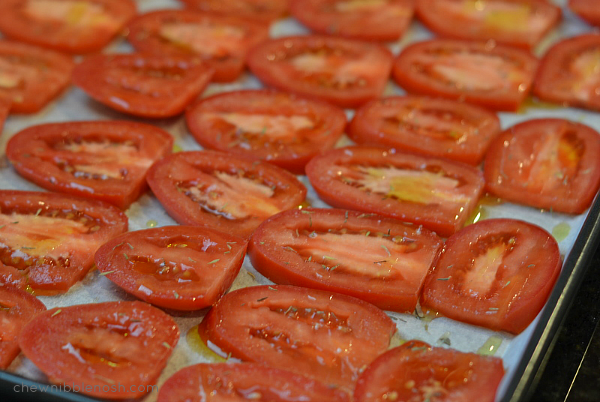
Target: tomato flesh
point(260, 10)
point(586, 9)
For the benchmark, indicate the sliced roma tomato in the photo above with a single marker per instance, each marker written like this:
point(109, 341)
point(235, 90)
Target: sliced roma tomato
point(494, 76)
point(376, 259)
point(521, 23)
point(344, 72)
point(221, 191)
point(570, 73)
point(436, 127)
point(113, 350)
point(325, 336)
point(105, 160)
point(17, 308)
point(177, 267)
point(435, 193)
point(30, 77)
point(417, 372)
point(546, 163)
point(280, 128)
point(5, 105)
point(496, 273)
point(589, 10)
point(220, 41)
point(72, 26)
point(380, 20)
point(12, 276)
point(143, 85)
point(260, 10)
point(51, 238)
point(243, 382)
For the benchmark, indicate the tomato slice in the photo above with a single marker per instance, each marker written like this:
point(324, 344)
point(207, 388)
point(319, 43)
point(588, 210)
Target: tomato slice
point(497, 273)
point(105, 160)
point(280, 128)
point(176, 267)
point(570, 73)
point(435, 193)
point(72, 26)
point(264, 11)
point(221, 41)
point(30, 77)
point(113, 350)
point(12, 276)
point(51, 238)
point(379, 20)
point(589, 10)
point(143, 85)
point(344, 72)
point(221, 191)
point(376, 259)
point(494, 76)
point(325, 336)
point(416, 371)
point(435, 127)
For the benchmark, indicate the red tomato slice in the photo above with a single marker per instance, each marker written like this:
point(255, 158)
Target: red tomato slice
point(496, 273)
point(379, 20)
point(417, 372)
point(17, 308)
point(280, 128)
point(589, 10)
point(436, 127)
point(176, 267)
point(435, 193)
point(325, 336)
point(221, 41)
point(51, 238)
point(30, 77)
point(344, 72)
point(570, 73)
point(113, 350)
point(244, 382)
point(376, 259)
point(546, 163)
point(521, 23)
point(261, 10)
point(13, 277)
point(72, 26)
point(221, 191)
point(494, 76)
point(143, 85)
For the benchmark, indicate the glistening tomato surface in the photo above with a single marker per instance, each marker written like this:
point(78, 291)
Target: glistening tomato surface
point(325, 336)
point(494, 76)
point(589, 10)
point(496, 273)
point(546, 163)
point(376, 259)
point(280, 128)
point(435, 193)
point(261, 10)
point(112, 350)
point(105, 160)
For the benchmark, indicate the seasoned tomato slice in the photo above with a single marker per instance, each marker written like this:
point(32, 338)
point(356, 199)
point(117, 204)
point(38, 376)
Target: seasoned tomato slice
point(113, 350)
point(177, 267)
point(344, 72)
point(105, 160)
point(220, 41)
point(325, 336)
point(261, 10)
point(589, 10)
point(496, 273)
point(51, 238)
point(221, 191)
point(494, 76)
point(436, 127)
point(435, 193)
point(417, 372)
point(376, 259)
point(380, 20)
point(72, 26)
point(280, 128)
point(546, 163)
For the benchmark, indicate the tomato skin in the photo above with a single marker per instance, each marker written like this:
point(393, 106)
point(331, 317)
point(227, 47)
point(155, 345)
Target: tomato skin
point(288, 153)
point(395, 122)
point(589, 10)
point(265, 11)
point(88, 346)
point(564, 178)
point(524, 277)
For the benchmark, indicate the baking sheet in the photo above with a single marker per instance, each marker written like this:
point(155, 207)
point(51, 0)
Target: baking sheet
point(74, 105)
